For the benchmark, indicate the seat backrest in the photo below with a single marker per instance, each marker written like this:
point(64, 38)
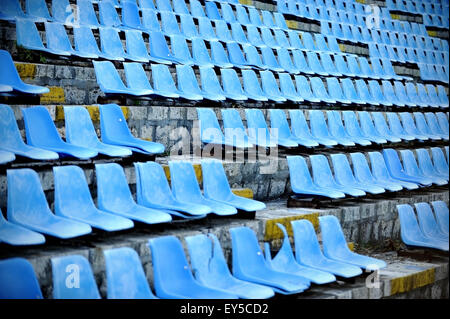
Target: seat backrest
point(108, 14)
point(37, 8)
point(279, 122)
point(110, 42)
point(209, 81)
point(18, 280)
point(135, 44)
point(162, 78)
point(299, 172)
point(130, 15)
point(27, 35)
point(333, 239)
point(112, 122)
point(150, 20)
point(79, 128)
point(9, 131)
point(361, 167)
point(230, 81)
point(209, 125)
point(136, 77)
point(187, 81)
point(86, 14)
point(307, 249)
point(39, 127)
point(183, 181)
point(342, 170)
point(188, 27)
point(215, 182)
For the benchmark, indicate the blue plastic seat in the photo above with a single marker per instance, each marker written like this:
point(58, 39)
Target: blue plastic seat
point(235, 133)
point(179, 6)
point(335, 91)
point(81, 132)
point(115, 131)
point(308, 252)
point(108, 14)
point(414, 96)
point(62, 12)
point(222, 31)
point(423, 127)
point(18, 280)
point(11, 140)
point(136, 48)
point(302, 132)
point(151, 180)
point(282, 40)
point(130, 15)
point(336, 248)
point(180, 49)
point(16, 235)
point(232, 87)
point(10, 77)
point(439, 161)
point(200, 53)
point(210, 131)
point(170, 268)
point(238, 33)
point(410, 126)
point(41, 132)
point(218, 55)
point(216, 187)
point(315, 64)
point(163, 82)
point(73, 200)
point(196, 9)
point(270, 60)
point(188, 28)
point(37, 9)
point(111, 45)
point(236, 56)
point(350, 92)
point(84, 287)
point(320, 130)
point(399, 171)
point(396, 127)
point(367, 127)
point(427, 167)
point(355, 68)
point(86, 45)
point(255, 17)
point(434, 126)
point(252, 88)
point(125, 276)
point(284, 261)
point(302, 183)
point(212, 11)
point(410, 231)
point(86, 14)
point(253, 58)
point(441, 214)
point(249, 265)
point(288, 88)
point(110, 82)
point(211, 88)
point(254, 37)
point(211, 269)
point(401, 93)
point(270, 87)
point(159, 50)
point(32, 211)
point(187, 83)
point(339, 132)
point(185, 188)
point(443, 97)
point(412, 168)
point(320, 91)
point(12, 10)
point(295, 41)
point(389, 94)
point(300, 62)
point(328, 64)
point(427, 222)
point(286, 61)
point(383, 128)
point(169, 23)
point(279, 122)
point(304, 89)
point(58, 41)
point(163, 6)
point(323, 177)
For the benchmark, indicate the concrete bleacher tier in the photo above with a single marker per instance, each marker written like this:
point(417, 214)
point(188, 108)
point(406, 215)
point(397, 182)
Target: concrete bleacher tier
point(150, 142)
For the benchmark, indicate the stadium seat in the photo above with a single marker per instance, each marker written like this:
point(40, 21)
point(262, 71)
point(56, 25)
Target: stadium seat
point(282, 40)
point(304, 89)
point(414, 96)
point(300, 62)
point(150, 20)
point(238, 33)
point(114, 130)
point(108, 14)
point(399, 171)
point(336, 248)
point(10, 77)
point(159, 51)
point(212, 271)
point(211, 88)
point(210, 131)
point(137, 78)
point(410, 231)
point(6, 157)
point(255, 17)
point(11, 140)
point(216, 187)
point(319, 90)
point(315, 65)
point(86, 45)
point(288, 88)
point(412, 168)
point(163, 83)
point(169, 23)
point(218, 55)
point(427, 222)
point(81, 132)
point(344, 176)
point(170, 268)
point(279, 122)
point(62, 12)
point(319, 127)
point(249, 265)
point(125, 276)
point(284, 261)
point(254, 36)
point(301, 130)
point(16, 235)
point(188, 28)
point(187, 83)
point(396, 127)
point(33, 212)
point(232, 87)
point(427, 167)
point(37, 9)
point(179, 6)
point(340, 134)
point(400, 92)
point(329, 65)
point(253, 58)
point(82, 287)
point(136, 48)
point(212, 11)
point(410, 126)
point(73, 200)
point(252, 88)
point(270, 87)
point(196, 9)
point(235, 133)
point(236, 56)
point(270, 60)
point(443, 97)
point(367, 127)
point(185, 188)
point(441, 214)
point(383, 128)
point(12, 10)
point(434, 126)
point(423, 127)
point(286, 62)
point(18, 280)
point(86, 14)
point(335, 91)
point(389, 93)
point(200, 53)
point(130, 16)
point(114, 196)
point(41, 132)
point(111, 45)
point(439, 161)
point(302, 183)
point(308, 252)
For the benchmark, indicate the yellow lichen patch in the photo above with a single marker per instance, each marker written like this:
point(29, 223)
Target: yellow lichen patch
point(395, 16)
point(56, 95)
point(243, 192)
point(361, 1)
point(167, 171)
point(125, 112)
point(246, 2)
point(432, 33)
point(146, 139)
point(26, 70)
point(351, 246)
point(342, 47)
point(292, 24)
point(198, 172)
point(414, 281)
point(273, 232)
point(94, 113)
point(59, 113)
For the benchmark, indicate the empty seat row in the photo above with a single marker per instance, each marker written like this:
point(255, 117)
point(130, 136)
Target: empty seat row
point(437, 21)
point(45, 143)
point(207, 276)
point(426, 230)
point(417, 7)
point(371, 128)
point(408, 55)
point(387, 173)
point(434, 72)
point(76, 213)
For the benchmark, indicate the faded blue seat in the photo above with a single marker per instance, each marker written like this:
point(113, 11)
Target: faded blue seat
point(323, 177)
point(110, 82)
point(36, 9)
point(441, 214)
point(434, 126)
point(294, 40)
point(12, 9)
point(363, 174)
point(32, 211)
point(410, 126)
point(16, 235)
point(216, 187)
point(255, 17)
point(235, 133)
point(238, 33)
point(10, 77)
point(170, 268)
point(367, 127)
point(187, 83)
point(400, 91)
point(355, 68)
point(270, 86)
point(252, 88)
point(180, 49)
point(383, 128)
point(210, 131)
point(439, 162)
point(137, 78)
point(320, 91)
point(111, 45)
point(350, 92)
point(41, 132)
point(396, 127)
point(279, 122)
point(282, 40)
point(185, 188)
point(163, 83)
point(308, 252)
point(339, 132)
point(423, 127)
point(84, 288)
point(62, 12)
point(253, 58)
point(315, 64)
point(232, 87)
point(387, 167)
point(300, 62)
point(399, 171)
point(212, 11)
point(428, 169)
point(163, 6)
point(443, 97)
point(136, 48)
point(108, 14)
point(254, 37)
point(115, 131)
point(236, 56)
point(427, 222)
point(179, 6)
point(151, 180)
point(270, 60)
point(18, 280)
point(410, 231)
point(86, 14)
point(319, 128)
point(159, 50)
point(150, 20)
point(302, 183)
point(335, 91)
point(329, 65)
point(86, 45)
point(344, 176)
point(284, 261)
point(336, 248)
point(200, 53)
point(130, 15)
point(304, 89)
point(412, 168)
point(211, 269)
point(301, 131)
point(125, 276)
point(169, 23)
point(211, 88)
point(389, 93)
point(81, 132)
point(286, 61)
point(11, 140)
point(196, 9)
point(288, 88)
point(249, 265)
point(218, 55)
point(73, 200)
point(188, 28)
point(223, 32)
